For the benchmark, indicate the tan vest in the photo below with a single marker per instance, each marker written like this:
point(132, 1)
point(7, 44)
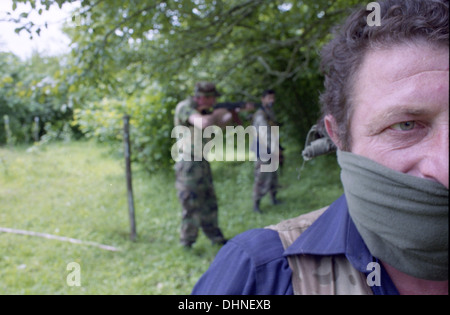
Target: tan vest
point(313, 274)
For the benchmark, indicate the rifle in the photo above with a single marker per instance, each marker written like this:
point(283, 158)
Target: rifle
point(233, 107)
point(229, 105)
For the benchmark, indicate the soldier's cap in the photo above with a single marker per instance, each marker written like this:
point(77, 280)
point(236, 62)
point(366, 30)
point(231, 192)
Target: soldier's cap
point(206, 89)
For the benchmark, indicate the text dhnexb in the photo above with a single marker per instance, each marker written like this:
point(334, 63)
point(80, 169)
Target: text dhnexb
point(246, 304)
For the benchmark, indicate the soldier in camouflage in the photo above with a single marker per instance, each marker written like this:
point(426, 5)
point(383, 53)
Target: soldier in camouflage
point(194, 181)
point(265, 182)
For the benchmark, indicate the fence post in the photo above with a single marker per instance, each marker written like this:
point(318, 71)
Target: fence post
point(127, 152)
point(36, 129)
point(9, 136)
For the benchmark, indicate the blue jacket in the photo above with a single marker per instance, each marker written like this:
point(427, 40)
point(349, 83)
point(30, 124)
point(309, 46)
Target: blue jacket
point(255, 262)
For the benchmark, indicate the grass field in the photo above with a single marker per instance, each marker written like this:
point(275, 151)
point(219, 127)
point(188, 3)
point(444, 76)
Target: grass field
point(78, 190)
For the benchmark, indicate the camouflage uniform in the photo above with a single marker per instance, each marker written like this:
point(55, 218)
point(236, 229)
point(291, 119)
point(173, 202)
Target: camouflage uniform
point(195, 188)
point(264, 181)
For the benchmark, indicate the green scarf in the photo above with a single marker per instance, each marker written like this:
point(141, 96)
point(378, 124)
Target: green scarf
point(403, 219)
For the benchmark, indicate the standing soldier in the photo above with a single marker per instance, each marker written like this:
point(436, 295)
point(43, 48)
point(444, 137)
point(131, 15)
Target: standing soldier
point(194, 181)
point(265, 181)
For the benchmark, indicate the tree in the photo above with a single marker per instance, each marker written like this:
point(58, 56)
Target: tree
point(30, 89)
point(245, 46)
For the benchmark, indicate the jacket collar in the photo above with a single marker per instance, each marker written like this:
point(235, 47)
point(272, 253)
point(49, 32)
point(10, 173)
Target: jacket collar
point(333, 233)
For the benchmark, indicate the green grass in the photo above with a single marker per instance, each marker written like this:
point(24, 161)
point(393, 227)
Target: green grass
point(78, 190)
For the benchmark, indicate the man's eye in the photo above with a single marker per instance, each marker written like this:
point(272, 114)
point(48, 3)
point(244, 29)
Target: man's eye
point(404, 126)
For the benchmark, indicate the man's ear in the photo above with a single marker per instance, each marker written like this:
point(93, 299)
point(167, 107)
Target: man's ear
point(332, 129)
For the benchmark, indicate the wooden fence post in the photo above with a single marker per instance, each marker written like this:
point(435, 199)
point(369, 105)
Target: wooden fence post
point(127, 152)
point(36, 129)
point(8, 133)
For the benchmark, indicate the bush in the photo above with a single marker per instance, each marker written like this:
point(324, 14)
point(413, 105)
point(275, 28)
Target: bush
point(151, 123)
point(30, 89)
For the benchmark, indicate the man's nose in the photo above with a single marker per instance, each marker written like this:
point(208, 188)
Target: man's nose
point(435, 163)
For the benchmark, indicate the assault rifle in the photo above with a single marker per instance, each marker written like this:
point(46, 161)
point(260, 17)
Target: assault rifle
point(234, 107)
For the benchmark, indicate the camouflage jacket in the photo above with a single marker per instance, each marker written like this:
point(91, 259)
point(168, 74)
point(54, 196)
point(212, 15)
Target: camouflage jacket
point(183, 110)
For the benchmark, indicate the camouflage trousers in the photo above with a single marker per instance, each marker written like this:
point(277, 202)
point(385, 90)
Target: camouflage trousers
point(196, 194)
point(264, 181)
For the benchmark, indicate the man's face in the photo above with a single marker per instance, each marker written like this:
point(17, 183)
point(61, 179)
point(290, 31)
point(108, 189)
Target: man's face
point(268, 99)
point(401, 110)
point(205, 102)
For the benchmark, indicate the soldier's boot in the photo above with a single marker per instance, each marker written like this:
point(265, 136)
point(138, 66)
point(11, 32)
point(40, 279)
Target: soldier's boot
point(275, 201)
point(256, 206)
point(216, 236)
point(213, 232)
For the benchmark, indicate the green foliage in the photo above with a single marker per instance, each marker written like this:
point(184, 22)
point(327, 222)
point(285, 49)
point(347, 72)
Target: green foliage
point(151, 124)
point(121, 47)
point(30, 89)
